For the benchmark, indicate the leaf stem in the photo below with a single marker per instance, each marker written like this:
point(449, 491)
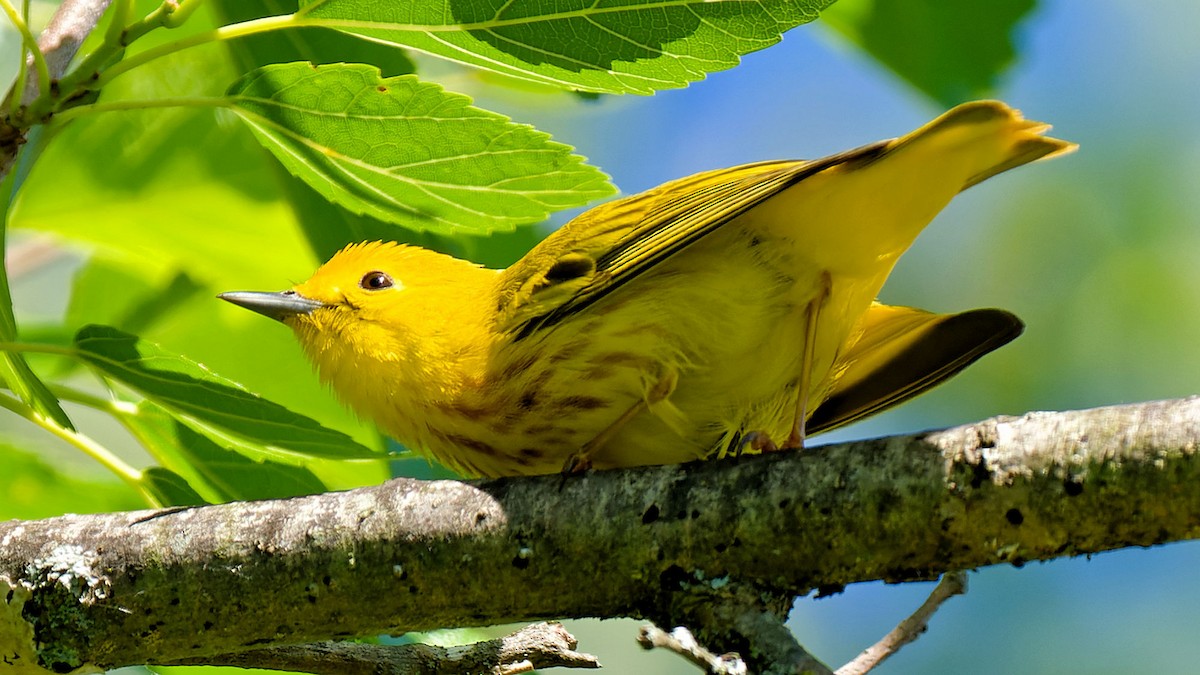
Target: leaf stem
point(114, 407)
point(29, 43)
point(17, 94)
point(116, 27)
point(262, 25)
point(170, 14)
point(34, 348)
point(181, 11)
point(89, 446)
point(114, 106)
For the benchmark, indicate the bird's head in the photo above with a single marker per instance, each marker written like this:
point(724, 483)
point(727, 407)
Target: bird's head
point(372, 301)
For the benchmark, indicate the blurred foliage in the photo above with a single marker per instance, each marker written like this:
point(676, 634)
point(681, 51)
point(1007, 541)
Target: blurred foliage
point(951, 51)
point(36, 488)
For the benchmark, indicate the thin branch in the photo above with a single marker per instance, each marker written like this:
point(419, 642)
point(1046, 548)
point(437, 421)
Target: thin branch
point(221, 33)
point(682, 642)
point(653, 543)
point(542, 645)
point(952, 584)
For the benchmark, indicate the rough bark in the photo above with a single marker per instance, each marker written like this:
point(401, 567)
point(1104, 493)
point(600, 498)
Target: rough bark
point(657, 542)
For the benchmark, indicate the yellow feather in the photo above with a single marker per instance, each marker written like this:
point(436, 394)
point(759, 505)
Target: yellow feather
point(665, 326)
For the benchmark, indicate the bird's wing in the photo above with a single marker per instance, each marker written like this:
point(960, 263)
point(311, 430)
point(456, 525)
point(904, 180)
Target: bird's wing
point(614, 243)
point(904, 352)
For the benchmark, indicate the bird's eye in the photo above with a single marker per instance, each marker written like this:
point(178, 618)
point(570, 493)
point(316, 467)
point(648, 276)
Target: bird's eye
point(374, 281)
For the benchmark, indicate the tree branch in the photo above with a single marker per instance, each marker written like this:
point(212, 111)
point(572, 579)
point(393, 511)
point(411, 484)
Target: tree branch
point(655, 542)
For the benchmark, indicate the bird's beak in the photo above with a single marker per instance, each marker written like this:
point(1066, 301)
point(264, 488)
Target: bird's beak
point(278, 306)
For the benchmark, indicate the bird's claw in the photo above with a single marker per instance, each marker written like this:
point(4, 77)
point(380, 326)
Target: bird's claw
point(758, 441)
point(577, 463)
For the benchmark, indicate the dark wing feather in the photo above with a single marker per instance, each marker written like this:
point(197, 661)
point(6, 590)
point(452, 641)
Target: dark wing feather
point(904, 352)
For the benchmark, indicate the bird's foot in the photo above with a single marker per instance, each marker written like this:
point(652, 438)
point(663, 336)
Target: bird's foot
point(756, 441)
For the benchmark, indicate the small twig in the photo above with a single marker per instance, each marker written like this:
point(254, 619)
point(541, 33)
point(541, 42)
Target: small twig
point(541, 645)
point(952, 584)
point(683, 643)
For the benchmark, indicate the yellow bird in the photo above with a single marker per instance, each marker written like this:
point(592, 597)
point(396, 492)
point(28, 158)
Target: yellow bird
point(730, 310)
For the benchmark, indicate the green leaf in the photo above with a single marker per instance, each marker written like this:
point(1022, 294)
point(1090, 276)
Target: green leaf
point(169, 488)
point(616, 46)
point(409, 152)
point(329, 228)
point(17, 376)
point(951, 51)
point(225, 473)
point(219, 405)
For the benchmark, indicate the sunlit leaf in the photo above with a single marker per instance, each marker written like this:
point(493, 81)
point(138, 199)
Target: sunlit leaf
point(618, 46)
point(409, 152)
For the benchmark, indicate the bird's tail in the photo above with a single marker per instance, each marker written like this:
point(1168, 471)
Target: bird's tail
point(1000, 137)
point(861, 212)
